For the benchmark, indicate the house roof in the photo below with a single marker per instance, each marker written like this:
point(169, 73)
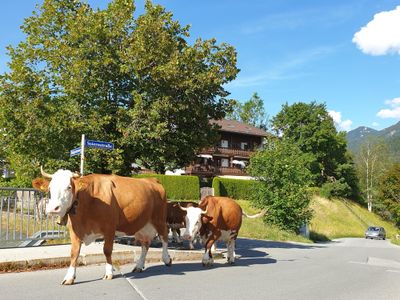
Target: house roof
point(239, 127)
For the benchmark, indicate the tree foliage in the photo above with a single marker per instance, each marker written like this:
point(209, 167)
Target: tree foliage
point(251, 112)
point(372, 161)
point(311, 128)
point(282, 171)
point(134, 82)
point(389, 194)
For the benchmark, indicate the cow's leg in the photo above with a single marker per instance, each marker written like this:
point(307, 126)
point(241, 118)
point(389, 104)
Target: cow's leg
point(231, 251)
point(207, 257)
point(75, 250)
point(107, 250)
point(162, 231)
point(175, 235)
point(191, 246)
point(140, 264)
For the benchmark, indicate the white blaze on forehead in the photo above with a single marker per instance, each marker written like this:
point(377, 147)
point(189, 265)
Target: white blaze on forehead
point(60, 192)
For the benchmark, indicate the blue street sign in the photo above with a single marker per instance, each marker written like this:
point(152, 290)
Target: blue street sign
point(99, 144)
point(75, 151)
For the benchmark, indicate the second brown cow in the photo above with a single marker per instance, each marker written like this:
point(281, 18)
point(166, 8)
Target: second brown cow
point(216, 218)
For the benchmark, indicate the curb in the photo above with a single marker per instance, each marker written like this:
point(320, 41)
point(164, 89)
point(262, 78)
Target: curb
point(119, 256)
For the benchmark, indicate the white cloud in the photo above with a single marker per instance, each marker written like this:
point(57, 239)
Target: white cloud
point(341, 124)
point(390, 113)
point(375, 124)
point(381, 35)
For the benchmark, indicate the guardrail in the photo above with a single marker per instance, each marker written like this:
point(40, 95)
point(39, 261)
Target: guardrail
point(23, 221)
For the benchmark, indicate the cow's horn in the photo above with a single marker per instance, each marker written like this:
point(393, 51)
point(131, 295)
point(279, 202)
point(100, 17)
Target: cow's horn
point(182, 208)
point(44, 174)
point(204, 211)
point(76, 175)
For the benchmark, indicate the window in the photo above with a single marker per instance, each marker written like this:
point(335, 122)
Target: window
point(243, 146)
point(224, 162)
point(224, 143)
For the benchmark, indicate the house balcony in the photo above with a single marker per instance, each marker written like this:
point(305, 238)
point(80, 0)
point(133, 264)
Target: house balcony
point(228, 151)
point(210, 171)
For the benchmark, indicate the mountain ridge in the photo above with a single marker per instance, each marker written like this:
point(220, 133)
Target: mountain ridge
point(390, 135)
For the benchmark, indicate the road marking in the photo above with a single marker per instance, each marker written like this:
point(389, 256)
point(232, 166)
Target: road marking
point(393, 271)
point(135, 287)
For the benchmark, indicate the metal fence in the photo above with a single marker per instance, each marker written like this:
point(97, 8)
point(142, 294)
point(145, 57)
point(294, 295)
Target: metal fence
point(23, 221)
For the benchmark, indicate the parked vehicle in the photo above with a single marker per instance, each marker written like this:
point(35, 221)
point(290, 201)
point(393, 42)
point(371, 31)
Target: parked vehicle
point(375, 232)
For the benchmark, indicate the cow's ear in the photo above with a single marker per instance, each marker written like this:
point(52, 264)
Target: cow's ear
point(79, 184)
point(41, 184)
point(205, 219)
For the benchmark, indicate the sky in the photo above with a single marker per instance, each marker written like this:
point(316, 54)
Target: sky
point(344, 53)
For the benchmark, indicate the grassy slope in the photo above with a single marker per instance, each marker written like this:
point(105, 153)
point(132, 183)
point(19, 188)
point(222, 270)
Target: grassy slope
point(256, 229)
point(334, 219)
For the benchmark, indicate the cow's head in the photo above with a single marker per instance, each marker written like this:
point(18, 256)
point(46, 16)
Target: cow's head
point(61, 189)
point(193, 221)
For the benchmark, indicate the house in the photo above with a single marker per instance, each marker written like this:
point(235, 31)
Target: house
point(230, 156)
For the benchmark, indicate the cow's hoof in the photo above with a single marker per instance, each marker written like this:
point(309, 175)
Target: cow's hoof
point(229, 262)
point(207, 264)
point(108, 277)
point(170, 263)
point(137, 270)
point(67, 282)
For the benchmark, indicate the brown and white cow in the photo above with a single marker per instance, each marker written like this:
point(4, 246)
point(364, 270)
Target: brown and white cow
point(176, 219)
point(101, 206)
point(216, 218)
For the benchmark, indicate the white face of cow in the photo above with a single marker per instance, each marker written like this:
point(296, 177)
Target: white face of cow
point(60, 193)
point(193, 222)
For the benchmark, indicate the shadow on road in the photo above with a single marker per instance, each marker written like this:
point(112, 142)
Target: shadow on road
point(251, 252)
point(243, 243)
point(181, 268)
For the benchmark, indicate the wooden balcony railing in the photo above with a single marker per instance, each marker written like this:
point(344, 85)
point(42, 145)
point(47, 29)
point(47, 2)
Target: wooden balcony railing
point(209, 171)
point(228, 151)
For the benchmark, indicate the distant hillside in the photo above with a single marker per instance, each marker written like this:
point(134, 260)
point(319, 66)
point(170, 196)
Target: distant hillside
point(356, 136)
point(390, 135)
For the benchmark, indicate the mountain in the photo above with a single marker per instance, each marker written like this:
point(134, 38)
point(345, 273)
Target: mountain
point(390, 135)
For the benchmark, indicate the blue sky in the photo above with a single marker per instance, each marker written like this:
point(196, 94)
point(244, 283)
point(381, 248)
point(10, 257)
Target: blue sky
point(342, 53)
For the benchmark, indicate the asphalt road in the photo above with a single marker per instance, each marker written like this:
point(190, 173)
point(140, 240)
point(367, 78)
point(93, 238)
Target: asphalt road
point(343, 269)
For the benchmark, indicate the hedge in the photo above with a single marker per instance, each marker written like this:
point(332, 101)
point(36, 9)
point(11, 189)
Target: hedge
point(234, 188)
point(178, 187)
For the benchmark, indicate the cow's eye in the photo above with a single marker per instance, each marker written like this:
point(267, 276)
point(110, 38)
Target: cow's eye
point(69, 187)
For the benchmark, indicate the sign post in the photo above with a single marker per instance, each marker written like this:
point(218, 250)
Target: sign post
point(89, 144)
point(82, 153)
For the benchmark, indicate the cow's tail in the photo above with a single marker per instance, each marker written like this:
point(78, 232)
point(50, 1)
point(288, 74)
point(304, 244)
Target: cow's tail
point(260, 214)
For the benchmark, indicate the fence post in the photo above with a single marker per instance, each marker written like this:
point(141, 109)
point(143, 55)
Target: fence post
point(206, 191)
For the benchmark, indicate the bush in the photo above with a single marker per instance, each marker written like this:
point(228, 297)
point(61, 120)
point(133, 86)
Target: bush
point(281, 169)
point(338, 188)
point(234, 188)
point(177, 187)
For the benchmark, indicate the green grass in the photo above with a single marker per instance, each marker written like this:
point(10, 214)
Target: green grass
point(257, 229)
point(332, 219)
point(339, 218)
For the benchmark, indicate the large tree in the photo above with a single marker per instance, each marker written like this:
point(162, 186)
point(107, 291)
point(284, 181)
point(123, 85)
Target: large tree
point(372, 161)
point(250, 112)
point(311, 128)
point(134, 82)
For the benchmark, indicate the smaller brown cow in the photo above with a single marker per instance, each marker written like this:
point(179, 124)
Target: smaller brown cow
point(176, 219)
point(216, 218)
